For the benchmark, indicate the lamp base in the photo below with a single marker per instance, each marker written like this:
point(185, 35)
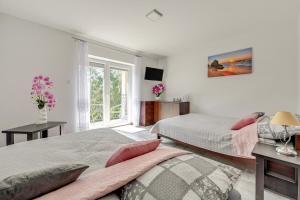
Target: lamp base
point(284, 150)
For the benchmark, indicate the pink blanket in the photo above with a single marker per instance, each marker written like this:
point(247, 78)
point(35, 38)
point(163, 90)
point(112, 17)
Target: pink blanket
point(244, 140)
point(104, 181)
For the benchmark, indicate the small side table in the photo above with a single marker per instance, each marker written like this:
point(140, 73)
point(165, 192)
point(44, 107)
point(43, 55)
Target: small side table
point(30, 130)
point(276, 172)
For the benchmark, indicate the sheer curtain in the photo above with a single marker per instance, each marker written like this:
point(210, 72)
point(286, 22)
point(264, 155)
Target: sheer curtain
point(136, 90)
point(82, 94)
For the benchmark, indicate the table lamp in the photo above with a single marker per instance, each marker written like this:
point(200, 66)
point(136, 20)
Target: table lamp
point(285, 119)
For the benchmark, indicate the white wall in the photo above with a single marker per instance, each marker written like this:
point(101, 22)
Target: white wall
point(298, 64)
point(271, 87)
point(28, 49)
point(101, 51)
point(147, 85)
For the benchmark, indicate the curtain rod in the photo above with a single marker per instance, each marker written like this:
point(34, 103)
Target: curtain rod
point(127, 51)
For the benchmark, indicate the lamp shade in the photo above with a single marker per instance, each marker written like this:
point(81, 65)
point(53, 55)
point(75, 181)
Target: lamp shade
point(285, 118)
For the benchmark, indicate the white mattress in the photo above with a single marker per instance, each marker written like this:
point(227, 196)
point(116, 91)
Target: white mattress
point(200, 130)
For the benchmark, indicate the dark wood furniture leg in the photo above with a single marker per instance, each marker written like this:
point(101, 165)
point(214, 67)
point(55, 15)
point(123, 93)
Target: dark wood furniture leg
point(298, 172)
point(44, 133)
point(259, 190)
point(29, 137)
point(32, 130)
point(9, 138)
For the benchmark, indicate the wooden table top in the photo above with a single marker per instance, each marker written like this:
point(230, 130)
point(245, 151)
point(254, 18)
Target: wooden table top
point(34, 128)
point(268, 151)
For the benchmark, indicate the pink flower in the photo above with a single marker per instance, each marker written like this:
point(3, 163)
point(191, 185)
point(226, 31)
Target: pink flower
point(39, 92)
point(49, 84)
point(50, 96)
point(158, 89)
point(46, 78)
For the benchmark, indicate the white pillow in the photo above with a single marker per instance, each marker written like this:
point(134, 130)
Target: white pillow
point(271, 131)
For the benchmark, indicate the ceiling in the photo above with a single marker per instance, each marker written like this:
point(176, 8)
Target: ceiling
point(185, 24)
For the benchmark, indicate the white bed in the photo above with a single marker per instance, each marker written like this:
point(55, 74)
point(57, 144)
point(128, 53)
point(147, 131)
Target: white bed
point(89, 147)
point(208, 132)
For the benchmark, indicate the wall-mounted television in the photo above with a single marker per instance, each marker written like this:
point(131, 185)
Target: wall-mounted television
point(154, 74)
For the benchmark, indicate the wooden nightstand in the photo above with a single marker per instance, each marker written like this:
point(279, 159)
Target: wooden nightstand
point(278, 173)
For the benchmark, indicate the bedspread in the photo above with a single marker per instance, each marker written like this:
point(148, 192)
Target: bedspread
point(101, 182)
point(88, 147)
point(209, 132)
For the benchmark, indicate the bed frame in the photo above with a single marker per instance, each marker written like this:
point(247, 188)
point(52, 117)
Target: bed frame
point(227, 159)
point(279, 172)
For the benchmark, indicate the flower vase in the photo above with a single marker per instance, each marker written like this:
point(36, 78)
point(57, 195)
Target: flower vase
point(42, 116)
point(157, 98)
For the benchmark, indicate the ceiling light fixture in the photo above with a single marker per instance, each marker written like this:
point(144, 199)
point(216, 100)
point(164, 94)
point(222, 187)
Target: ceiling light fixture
point(154, 15)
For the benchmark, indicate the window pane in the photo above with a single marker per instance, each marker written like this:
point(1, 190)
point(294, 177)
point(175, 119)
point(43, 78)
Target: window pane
point(118, 94)
point(96, 94)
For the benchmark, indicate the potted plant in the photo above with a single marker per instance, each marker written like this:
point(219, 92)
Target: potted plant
point(42, 97)
point(158, 90)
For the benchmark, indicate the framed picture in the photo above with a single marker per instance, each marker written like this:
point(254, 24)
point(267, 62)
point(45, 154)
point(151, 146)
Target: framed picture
point(231, 63)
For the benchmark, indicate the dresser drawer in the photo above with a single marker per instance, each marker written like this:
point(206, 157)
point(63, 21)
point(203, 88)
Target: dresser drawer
point(281, 178)
point(280, 171)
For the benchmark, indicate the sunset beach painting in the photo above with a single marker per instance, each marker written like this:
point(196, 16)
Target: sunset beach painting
point(231, 63)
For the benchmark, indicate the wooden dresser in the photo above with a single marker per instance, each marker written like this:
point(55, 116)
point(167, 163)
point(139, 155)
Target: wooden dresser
point(153, 111)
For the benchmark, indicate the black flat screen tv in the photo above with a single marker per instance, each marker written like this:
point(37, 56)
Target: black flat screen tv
point(154, 74)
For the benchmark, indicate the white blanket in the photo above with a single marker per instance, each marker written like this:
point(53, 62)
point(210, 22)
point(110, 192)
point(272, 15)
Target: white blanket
point(89, 147)
point(201, 130)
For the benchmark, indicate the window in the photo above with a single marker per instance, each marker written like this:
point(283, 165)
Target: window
point(109, 91)
point(96, 77)
point(118, 94)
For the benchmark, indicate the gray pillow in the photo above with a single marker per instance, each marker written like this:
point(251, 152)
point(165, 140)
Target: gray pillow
point(113, 196)
point(188, 177)
point(234, 195)
point(30, 185)
point(259, 114)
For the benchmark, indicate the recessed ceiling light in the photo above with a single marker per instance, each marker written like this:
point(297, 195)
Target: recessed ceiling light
point(154, 15)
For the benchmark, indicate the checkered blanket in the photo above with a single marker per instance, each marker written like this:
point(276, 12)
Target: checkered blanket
point(187, 177)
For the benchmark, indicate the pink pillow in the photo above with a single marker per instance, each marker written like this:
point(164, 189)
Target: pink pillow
point(132, 150)
point(243, 122)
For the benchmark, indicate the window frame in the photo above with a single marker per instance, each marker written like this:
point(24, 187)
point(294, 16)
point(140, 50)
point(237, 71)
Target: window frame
point(110, 64)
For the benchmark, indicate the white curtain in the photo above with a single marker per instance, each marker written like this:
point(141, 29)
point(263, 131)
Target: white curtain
point(136, 90)
point(82, 94)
